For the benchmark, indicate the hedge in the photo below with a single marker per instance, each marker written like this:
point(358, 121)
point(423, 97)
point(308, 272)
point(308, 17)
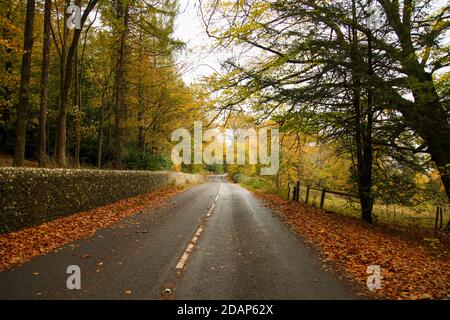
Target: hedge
point(30, 196)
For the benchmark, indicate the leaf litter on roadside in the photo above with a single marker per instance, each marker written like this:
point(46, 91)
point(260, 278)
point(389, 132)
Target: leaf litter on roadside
point(412, 266)
point(20, 246)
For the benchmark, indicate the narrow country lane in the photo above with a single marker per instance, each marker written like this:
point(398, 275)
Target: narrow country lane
point(213, 241)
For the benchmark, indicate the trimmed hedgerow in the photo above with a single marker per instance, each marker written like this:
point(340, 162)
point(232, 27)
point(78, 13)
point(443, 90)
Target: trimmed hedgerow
point(30, 196)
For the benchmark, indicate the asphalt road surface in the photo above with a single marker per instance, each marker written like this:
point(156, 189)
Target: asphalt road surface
point(213, 241)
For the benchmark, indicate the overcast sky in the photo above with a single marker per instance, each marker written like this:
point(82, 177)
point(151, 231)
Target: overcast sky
point(197, 60)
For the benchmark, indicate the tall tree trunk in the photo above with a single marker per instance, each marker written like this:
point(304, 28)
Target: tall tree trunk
point(122, 14)
point(427, 115)
point(430, 120)
point(140, 113)
point(24, 91)
point(141, 133)
point(362, 137)
point(77, 102)
point(100, 137)
point(44, 85)
point(367, 143)
point(62, 119)
point(102, 120)
point(62, 70)
point(68, 73)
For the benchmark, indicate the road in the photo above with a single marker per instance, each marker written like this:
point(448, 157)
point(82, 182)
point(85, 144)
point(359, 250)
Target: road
point(212, 241)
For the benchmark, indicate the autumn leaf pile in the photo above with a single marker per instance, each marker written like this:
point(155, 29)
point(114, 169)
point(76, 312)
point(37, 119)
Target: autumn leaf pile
point(21, 246)
point(414, 263)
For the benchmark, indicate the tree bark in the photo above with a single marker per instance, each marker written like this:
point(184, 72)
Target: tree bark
point(44, 85)
point(68, 72)
point(77, 104)
point(102, 119)
point(141, 107)
point(122, 14)
point(367, 144)
point(100, 137)
point(24, 91)
point(430, 120)
point(62, 64)
point(362, 133)
point(426, 115)
point(141, 133)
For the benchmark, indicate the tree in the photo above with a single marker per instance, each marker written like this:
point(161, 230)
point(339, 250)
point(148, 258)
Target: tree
point(44, 84)
point(11, 50)
point(122, 10)
point(427, 114)
point(320, 70)
point(24, 90)
point(66, 85)
point(74, 85)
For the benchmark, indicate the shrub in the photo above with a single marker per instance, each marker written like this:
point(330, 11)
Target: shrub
point(136, 160)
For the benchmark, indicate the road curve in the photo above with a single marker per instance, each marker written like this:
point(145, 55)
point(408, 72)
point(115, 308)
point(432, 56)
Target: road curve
point(213, 241)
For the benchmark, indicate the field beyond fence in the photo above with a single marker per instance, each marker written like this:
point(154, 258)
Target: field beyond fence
point(348, 204)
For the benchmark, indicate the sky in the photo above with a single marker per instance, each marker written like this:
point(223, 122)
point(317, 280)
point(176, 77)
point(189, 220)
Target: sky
point(197, 60)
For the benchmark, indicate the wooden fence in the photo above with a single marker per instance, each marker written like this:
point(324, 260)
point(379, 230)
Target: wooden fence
point(323, 191)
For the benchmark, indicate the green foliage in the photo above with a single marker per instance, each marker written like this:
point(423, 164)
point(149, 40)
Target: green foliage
point(254, 183)
point(136, 160)
point(312, 71)
point(156, 100)
point(216, 168)
point(193, 168)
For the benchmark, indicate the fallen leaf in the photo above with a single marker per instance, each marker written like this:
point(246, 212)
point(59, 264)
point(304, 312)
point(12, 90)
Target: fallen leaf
point(21, 246)
point(413, 264)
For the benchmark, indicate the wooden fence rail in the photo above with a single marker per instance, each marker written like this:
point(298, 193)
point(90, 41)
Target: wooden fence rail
point(324, 191)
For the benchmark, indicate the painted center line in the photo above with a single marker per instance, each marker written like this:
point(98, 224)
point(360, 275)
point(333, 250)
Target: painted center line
point(181, 263)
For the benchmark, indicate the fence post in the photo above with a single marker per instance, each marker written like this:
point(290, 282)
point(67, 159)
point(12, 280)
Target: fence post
point(307, 194)
point(440, 217)
point(298, 191)
point(289, 191)
point(322, 198)
point(437, 218)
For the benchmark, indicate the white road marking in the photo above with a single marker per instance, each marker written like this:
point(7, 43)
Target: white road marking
point(182, 261)
point(190, 247)
point(198, 232)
